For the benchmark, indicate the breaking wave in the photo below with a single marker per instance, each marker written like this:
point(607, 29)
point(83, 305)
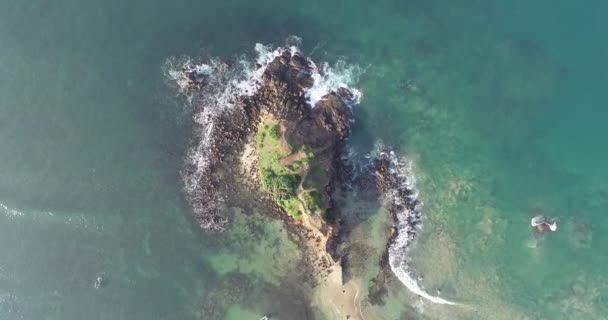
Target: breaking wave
point(222, 86)
point(401, 198)
point(330, 79)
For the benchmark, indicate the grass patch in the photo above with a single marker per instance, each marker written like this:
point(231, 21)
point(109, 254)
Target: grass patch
point(315, 202)
point(274, 131)
point(295, 166)
point(276, 179)
point(291, 206)
point(282, 182)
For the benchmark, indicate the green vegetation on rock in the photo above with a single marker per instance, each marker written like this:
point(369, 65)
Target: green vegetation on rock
point(296, 180)
point(274, 132)
point(277, 180)
point(315, 202)
point(282, 171)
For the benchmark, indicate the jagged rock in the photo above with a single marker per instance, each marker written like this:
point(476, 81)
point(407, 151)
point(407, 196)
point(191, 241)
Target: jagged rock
point(282, 93)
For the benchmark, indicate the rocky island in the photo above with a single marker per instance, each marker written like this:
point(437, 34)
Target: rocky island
point(273, 135)
point(287, 148)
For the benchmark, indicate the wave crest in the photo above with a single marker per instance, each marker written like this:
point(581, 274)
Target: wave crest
point(400, 197)
point(332, 79)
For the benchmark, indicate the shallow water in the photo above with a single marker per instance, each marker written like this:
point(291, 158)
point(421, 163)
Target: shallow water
point(497, 103)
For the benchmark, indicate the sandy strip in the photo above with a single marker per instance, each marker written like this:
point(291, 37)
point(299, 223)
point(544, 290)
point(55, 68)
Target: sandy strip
point(337, 300)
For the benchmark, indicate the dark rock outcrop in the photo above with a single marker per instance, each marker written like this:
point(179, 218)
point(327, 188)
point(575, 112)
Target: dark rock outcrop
point(281, 92)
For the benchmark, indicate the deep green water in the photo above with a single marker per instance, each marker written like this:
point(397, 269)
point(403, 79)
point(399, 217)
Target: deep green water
point(506, 120)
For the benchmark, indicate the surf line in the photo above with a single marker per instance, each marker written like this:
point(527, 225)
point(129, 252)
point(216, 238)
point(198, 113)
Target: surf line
point(398, 184)
point(413, 286)
point(398, 262)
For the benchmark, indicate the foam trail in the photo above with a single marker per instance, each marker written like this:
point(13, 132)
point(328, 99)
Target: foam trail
point(399, 266)
point(10, 212)
point(401, 198)
point(48, 217)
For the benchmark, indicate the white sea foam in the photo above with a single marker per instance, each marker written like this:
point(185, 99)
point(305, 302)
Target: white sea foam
point(329, 79)
point(398, 262)
point(10, 212)
point(538, 220)
point(45, 217)
point(403, 199)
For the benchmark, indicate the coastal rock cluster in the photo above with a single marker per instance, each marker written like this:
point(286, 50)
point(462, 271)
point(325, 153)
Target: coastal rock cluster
point(261, 139)
point(399, 196)
point(278, 92)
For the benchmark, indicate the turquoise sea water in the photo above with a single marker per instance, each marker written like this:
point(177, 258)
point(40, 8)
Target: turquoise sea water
point(499, 104)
